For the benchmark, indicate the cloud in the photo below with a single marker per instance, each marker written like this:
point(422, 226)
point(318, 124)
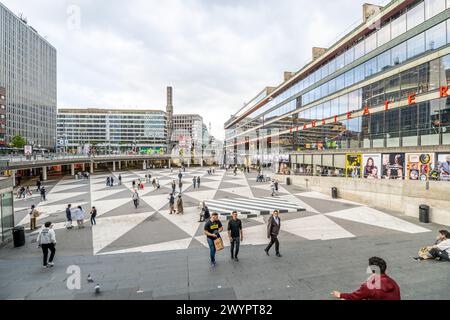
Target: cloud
point(216, 54)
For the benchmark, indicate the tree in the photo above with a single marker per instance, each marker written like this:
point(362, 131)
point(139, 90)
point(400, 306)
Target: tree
point(18, 141)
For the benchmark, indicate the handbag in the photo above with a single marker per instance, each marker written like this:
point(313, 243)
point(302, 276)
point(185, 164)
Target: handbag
point(35, 214)
point(218, 244)
point(423, 253)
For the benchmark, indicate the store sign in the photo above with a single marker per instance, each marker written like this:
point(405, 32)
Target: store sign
point(419, 165)
point(371, 166)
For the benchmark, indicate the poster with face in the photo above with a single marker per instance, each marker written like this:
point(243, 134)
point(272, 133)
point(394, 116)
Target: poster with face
point(353, 165)
point(443, 167)
point(371, 166)
point(393, 165)
point(419, 165)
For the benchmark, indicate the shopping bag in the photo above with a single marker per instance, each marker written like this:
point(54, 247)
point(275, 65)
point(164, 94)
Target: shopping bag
point(218, 244)
point(423, 253)
point(69, 224)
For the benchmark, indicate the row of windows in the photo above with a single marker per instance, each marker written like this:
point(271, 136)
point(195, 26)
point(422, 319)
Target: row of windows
point(437, 37)
point(413, 17)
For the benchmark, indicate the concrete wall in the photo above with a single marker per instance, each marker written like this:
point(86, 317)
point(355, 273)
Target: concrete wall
point(398, 195)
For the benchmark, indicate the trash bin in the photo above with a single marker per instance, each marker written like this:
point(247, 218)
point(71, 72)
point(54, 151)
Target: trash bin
point(424, 213)
point(19, 236)
point(334, 194)
point(288, 181)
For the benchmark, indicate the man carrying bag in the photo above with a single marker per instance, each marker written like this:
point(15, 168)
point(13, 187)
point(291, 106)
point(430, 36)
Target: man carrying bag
point(212, 230)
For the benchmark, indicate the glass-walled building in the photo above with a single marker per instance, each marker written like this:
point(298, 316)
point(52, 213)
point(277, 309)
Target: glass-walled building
point(28, 74)
point(382, 86)
point(6, 209)
point(112, 130)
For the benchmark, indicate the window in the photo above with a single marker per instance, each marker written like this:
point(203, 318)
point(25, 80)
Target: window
point(340, 62)
point(384, 60)
point(334, 107)
point(327, 110)
point(433, 7)
point(416, 45)
point(332, 86)
point(324, 70)
point(354, 100)
point(343, 104)
point(332, 67)
point(436, 36)
point(415, 16)
point(409, 82)
point(371, 42)
point(340, 82)
point(349, 56)
point(349, 79)
point(398, 54)
point(359, 73)
point(398, 26)
point(370, 67)
point(359, 50)
point(384, 35)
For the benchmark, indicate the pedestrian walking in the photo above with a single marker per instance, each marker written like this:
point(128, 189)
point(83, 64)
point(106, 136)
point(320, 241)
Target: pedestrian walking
point(43, 193)
point(235, 234)
point(46, 241)
point(38, 185)
point(149, 177)
point(174, 185)
point(180, 208)
point(198, 182)
point(180, 176)
point(133, 183)
point(172, 203)
point(135, 198)
point(34, 214)
point(378, 287)
point(111, 181)
point(93, 215)
point(69, 217)
point(273, 229)
point(194, 181)
point(180, 185)
point(272, 187)
point(79, 215)
point(120, 180)
point(276, 186)
point(108, 183)
point(28, 191)
point(212, 230)
point(158, 186)
point(204, 211)
point(154, 183)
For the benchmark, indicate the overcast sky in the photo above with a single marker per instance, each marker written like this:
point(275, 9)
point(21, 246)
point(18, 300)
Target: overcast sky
point(217, 54)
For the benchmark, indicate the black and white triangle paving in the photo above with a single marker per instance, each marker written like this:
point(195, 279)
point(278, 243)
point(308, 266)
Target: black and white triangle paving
point(121, 228)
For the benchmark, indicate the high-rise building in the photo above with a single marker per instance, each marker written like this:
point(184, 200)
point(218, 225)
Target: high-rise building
point(28, 73)
point(169, 112)
point(112, 130)
point(187, 134)
point(382, 89)
point(2, 116)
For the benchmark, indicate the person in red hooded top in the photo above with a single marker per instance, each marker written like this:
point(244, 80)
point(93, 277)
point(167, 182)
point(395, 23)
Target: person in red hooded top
point(378, 287)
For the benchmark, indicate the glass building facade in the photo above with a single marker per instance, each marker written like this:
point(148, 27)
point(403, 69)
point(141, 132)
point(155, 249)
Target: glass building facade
point(377, 87)
point(28, 73)
point(112, 130)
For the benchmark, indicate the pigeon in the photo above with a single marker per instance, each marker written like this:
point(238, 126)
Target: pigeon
point(89, 278)
point(97, 288)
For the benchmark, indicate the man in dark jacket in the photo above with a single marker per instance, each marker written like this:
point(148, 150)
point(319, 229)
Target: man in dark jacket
point(273, 229)
point(378, 287)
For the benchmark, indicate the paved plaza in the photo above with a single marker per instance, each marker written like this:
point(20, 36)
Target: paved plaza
point(147, 253)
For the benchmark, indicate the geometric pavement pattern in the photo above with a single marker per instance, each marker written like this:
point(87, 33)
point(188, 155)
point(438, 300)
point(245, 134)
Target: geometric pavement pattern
point(305, 215)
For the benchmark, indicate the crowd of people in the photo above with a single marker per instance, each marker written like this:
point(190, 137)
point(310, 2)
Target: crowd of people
point(379, 286)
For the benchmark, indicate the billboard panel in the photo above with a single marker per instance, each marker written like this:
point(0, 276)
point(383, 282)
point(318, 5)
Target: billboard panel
point(393, 165)
point(419, 165)
point(443, 166)
point(371, 166)
point(353, 165)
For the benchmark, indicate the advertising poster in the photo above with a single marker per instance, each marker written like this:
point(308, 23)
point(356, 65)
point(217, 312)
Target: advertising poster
point(419, 165)
point(353, 165)
point(27, 150)
point(393, 165)
point(371, 166)
point(443, 167)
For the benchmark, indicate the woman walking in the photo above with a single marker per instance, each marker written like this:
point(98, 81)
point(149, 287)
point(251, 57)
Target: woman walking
point(180, 205)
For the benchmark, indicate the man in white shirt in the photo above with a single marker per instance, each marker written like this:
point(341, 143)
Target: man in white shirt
point(47, 240)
